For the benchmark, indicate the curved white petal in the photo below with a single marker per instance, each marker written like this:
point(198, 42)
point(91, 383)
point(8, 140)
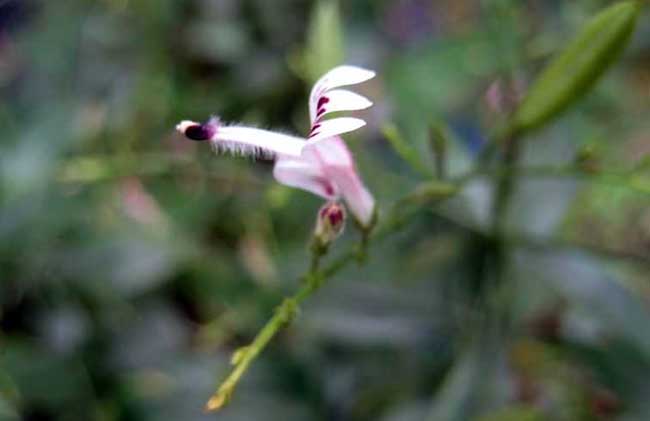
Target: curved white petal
point(341, 100)
point(337, 77)
point(336, 126)
point(306, 175)
point(249, 140)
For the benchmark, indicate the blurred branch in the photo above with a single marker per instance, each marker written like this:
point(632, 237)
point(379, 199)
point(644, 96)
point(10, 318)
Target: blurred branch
point(89, 169)
point(98, 168)
point(630, 179)
point(524, 240)
point(438, 142)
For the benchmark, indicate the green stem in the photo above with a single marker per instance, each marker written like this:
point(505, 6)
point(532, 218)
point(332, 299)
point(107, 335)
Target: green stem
point(438, 142)
point(498, 309)
point(282, 317)
point(313, 280)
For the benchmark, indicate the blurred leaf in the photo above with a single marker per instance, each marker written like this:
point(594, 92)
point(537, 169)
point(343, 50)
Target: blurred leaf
point(225, 42)
point(324, 40)
point(9, 396)
point(576, 69)
point(43, 377)
point(7, 411)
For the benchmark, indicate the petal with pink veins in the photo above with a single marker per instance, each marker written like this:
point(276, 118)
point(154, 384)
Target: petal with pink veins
point(340, 100)
point(337, 77)
point(334, 127)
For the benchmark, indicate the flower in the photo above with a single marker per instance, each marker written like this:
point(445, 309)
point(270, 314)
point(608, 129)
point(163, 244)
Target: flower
point(322, 163)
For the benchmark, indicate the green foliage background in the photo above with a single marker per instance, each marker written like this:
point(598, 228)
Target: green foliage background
point(133, 262)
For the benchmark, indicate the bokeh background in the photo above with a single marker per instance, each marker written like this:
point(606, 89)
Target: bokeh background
point(133, 262)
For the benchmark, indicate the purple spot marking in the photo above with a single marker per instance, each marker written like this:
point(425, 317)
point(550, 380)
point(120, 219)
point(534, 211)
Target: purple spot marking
point(322, 101)
point(314, 128)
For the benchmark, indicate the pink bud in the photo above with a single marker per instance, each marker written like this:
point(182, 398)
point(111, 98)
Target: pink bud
point(330, 222)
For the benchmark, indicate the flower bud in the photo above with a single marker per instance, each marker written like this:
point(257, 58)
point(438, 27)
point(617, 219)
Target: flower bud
point(330, 223)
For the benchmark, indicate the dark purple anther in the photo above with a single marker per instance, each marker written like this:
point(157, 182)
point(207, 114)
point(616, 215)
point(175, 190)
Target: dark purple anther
point(200, 132)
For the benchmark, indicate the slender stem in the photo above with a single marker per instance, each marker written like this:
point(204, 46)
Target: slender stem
point(499, 288)
point(313, 280)
point(438, 141)
point(283, 316)
point(362, 248)
point(505, 187)
point(243, 357)
point(318, 251)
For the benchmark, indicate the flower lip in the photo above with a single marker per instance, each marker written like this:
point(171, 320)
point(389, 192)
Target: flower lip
point(197, 131)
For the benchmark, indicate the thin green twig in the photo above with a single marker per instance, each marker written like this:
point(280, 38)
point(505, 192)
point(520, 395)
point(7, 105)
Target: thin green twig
point(314, 279)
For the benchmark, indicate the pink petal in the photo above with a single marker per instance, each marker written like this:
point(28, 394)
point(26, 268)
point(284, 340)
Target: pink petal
point(336, 126)
point(355, 194)
point(327, 169)
point(305, 174)
point(337, 77)
point(338, 165)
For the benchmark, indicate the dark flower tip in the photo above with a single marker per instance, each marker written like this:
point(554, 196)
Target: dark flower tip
point(200, 132)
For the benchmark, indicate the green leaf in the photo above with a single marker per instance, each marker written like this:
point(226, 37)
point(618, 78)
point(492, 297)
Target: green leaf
point(576, 69)
point(324, 40)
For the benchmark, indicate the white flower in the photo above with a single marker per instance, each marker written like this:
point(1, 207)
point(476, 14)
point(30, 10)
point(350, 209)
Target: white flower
point(321, 163)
